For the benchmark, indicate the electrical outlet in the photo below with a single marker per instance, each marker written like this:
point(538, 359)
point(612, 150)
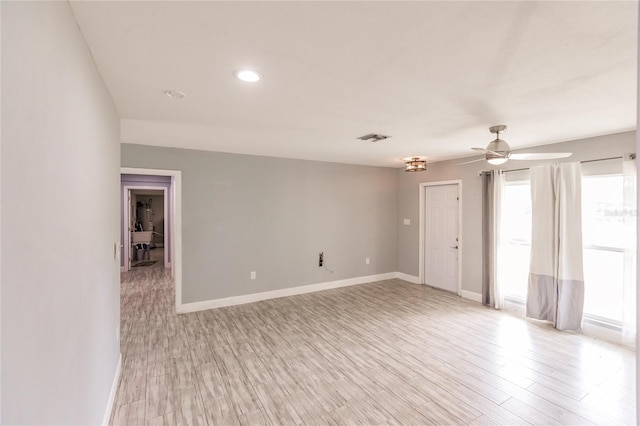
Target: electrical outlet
point(407, 221)
point(321, 260)
point(253, 275)
point(367, 261)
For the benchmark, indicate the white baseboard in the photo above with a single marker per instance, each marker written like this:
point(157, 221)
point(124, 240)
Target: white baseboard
point(112, 394)
point(471, 295)
point(311, 288)
point(465, 294)
point(291, 291)
point(589, 328)
point(602, 333)
point(409, 278)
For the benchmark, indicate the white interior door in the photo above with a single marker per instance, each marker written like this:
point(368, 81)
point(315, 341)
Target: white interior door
point(441, 237)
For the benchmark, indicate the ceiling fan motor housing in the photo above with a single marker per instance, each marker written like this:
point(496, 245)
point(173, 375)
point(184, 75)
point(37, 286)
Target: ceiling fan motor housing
point(499, 147)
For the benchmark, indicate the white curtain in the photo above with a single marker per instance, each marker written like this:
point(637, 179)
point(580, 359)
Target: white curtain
point(493, 194)
point(629, 273)
point(556, 282)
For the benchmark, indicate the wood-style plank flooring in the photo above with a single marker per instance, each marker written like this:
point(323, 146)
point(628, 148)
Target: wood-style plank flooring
point(382, 353)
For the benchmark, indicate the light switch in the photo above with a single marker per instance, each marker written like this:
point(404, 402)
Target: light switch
point(253, 275)
point(407, 221)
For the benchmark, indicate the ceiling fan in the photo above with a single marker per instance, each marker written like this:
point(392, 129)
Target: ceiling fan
point(498, 151)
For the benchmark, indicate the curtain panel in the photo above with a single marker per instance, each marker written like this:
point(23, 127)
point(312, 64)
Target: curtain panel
point(556, 282)
point(492, 195)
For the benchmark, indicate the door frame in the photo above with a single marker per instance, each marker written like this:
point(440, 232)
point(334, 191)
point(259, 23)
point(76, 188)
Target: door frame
point(175, 233)
point(127, 219)
point(422, 213)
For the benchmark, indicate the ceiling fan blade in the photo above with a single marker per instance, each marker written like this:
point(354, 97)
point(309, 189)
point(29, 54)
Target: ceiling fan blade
point(469, 162)
point(479, 150)
point(539, 155)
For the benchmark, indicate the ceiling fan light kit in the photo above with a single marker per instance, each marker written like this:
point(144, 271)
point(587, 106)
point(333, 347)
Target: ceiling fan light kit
point(416, 164)
point(496, 161)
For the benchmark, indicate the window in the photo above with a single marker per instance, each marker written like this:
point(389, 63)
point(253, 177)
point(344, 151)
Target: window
point(515, 232)
point(603, 242)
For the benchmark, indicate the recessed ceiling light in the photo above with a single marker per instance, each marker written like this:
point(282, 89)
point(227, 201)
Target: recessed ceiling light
point(248, 76)
point(174, 94)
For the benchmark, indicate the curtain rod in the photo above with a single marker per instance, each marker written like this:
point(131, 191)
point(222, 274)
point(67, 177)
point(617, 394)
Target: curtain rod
point(631, 157)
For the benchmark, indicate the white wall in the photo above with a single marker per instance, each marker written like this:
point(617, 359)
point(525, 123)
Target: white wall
point(0, 228)
point(471, 247)
point(60, 162)
point(637, 407)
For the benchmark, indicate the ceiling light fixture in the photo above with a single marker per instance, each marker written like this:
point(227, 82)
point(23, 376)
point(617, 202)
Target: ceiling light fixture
point(415, 164)
point(497, 161)
point(174, 94)
point(248, 75)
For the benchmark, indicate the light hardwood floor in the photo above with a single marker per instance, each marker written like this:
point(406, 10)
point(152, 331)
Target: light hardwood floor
point(383, 353)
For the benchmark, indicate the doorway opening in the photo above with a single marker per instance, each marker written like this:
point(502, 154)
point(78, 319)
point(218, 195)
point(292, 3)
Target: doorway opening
point(440, 235)
point(151, 223)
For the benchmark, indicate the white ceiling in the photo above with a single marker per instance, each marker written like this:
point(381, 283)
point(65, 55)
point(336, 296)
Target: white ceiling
point(432, 75)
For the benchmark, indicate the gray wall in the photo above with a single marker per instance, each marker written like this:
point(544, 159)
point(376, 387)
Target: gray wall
point(408, 199)
point(245, 213)
point(60, 280)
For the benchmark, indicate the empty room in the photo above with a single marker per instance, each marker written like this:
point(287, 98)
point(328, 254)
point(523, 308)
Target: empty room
point(295, 213)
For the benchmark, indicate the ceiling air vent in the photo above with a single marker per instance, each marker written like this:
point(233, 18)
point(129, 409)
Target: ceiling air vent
point(373, 137)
